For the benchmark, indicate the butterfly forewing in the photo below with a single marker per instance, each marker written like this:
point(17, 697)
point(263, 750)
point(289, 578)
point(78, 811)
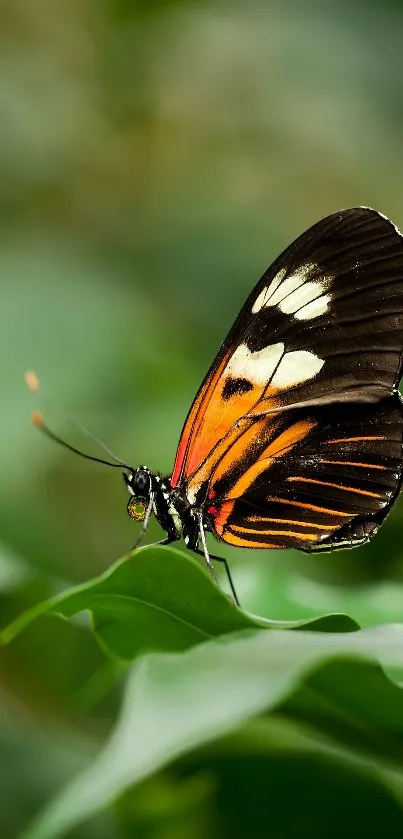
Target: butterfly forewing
point(323, 326)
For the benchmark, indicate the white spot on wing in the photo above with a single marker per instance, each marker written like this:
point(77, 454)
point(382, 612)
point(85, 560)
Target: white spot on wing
point(315, 308)
point(296, 292)
point(277, 279)
point(263, 297)
point(260, 301)
point(303, 295)
point(256, 367)
point(295, 368)
point(287, 286)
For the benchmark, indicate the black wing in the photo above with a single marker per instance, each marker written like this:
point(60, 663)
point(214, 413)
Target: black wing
point(336, 293)
point(324, 325)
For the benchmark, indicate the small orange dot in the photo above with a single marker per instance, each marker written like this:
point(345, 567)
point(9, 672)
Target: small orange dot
point(31, 380)
point(37, 419)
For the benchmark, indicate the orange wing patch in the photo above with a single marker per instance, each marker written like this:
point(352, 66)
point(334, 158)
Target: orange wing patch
point(277, 447)
point(293, 522)
point(352, 463)
point(223, 400)
point(308, 537)
point(195, 419)
point(332, 485)
point(245, 383)
point(240, 542)
point(353, 439)
point(315, 508)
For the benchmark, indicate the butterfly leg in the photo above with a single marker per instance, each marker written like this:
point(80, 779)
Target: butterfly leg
point(208, 557)
point(227, 571)
point(205, 552)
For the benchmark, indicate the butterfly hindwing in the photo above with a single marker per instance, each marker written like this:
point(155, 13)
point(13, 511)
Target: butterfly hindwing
point(324, 325)
point(324, 479)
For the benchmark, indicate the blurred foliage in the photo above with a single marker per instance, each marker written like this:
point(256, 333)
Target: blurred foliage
point(154, 158)
point(336, 720)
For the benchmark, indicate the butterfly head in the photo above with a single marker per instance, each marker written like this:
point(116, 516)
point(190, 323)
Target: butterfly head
point(139, 484)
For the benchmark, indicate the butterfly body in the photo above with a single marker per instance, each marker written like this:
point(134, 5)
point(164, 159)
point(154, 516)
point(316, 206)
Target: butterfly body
point(172, 511)
point(295, 438)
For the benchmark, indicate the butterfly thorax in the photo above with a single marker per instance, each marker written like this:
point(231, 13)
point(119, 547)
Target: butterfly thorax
point(171, 509)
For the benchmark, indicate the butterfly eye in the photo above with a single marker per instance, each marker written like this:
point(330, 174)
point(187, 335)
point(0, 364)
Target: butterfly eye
point(136, 509)
point(138, 482)
point(141, 483)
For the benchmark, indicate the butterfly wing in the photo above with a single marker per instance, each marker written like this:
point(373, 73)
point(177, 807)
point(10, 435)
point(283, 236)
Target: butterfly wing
point(324, 325)
point(320, 479)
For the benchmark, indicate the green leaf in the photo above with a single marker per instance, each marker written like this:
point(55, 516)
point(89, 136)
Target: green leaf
point(278, 778)
point(177, 702)
point(159, 599)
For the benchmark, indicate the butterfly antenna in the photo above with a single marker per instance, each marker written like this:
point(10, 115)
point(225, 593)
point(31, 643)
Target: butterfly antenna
point(32, 382)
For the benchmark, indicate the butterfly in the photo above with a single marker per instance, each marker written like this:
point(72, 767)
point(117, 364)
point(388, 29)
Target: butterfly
point(294, 439)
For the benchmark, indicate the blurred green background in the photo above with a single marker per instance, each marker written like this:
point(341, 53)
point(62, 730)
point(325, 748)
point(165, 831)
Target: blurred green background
point(155, 157)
